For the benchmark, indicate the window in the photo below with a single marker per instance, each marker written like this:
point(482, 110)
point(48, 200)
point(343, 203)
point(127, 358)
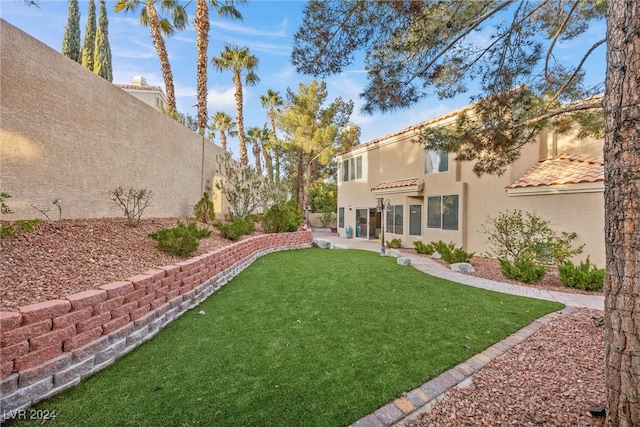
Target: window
point(351, 168)
point(436, 161)
point(341, 217)
point(415, 220)
point(394, 219)
point(442, 212)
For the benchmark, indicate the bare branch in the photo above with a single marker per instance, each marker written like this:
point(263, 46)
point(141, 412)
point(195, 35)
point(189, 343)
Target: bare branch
point(578, 68)
point(592, 105)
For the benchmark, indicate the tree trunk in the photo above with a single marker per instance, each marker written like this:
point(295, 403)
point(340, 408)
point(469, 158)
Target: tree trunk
point(622, 213)
point(201, 22)
point(223, 140)
point(268, 163)
point(275, 147)
point(244, 159)
point(161, 49)
point(308, 179)
point(256, 156)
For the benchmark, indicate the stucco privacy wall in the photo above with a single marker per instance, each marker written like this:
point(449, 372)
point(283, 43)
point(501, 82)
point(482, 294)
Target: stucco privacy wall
point(51, 346)
point(69, 134)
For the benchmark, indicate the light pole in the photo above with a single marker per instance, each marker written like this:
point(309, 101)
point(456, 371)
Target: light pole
point(382, 205)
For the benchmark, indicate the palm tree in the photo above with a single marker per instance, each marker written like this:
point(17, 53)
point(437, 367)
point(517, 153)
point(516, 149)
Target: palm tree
point(267, 146)
point(272, 101)
point(223, 123)
point(238, 60)
point(202, 25)
point(160, 27)
point(255, 136)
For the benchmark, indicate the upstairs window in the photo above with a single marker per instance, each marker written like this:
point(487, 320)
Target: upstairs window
point(351, 169)
point(436, 161)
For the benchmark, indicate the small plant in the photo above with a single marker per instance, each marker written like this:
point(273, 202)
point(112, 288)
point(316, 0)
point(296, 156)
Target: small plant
point(236, 229)
point(181, 240)
point(394, 243)
point(421, 248)
point(133, 202)
point(326, 219)
point(6, 230)
point(450, 253)
point(282, 217)
point(523, 269)
point(4, 209)
point(58, 204)
point(203, 210)
point(585, 276)
point(513, 235)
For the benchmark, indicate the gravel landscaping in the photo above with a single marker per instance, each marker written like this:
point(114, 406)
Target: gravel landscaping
point(550, 379)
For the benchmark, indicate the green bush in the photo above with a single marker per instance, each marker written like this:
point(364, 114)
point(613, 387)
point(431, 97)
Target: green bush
point(181, 240)
point(514, 235)
point(9, 229)
point(450, 253)
point(203, 210)
point(282, 217)
point(235, 229)
point(394, 243)
point(421, 248)
point(523, 269)
point(586, 276)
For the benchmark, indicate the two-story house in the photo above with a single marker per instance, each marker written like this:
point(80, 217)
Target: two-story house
point(150, 95)
point(431, 196)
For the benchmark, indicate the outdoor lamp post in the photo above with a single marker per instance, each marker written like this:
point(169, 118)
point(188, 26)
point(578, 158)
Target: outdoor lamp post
point(382, 205)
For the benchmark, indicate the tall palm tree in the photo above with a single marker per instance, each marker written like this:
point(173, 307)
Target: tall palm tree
point(272, 101)
point(202, 26)
point(266, 141)
point(238, 60)
point(160, 27)
point(223, 123)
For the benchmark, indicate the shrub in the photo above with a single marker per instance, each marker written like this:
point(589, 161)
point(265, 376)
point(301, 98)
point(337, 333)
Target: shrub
point(181, 240)
point(203, 210)
point(450, 253)
point(235, 229)
point(586, 276)
point(513, 235)
point(421, 248)
point(133, 202)
point(282, 217)
point(394, 243)
point(9, 229)
point(523, 269)
point(4, 209)
point(326, 219)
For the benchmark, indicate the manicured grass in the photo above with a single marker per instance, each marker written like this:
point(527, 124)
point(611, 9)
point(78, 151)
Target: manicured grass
point(301, 338)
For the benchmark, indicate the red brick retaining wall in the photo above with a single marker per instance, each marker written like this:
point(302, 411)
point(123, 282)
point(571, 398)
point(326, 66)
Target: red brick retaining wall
point(50, 346)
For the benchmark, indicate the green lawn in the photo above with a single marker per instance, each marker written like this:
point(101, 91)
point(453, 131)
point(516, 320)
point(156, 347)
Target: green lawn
point(300, 338)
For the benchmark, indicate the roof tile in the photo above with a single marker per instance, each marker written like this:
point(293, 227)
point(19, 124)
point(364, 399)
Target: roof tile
point(562, 169)
point(399, 184)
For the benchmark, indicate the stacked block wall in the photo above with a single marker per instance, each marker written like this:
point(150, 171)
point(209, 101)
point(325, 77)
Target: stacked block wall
point(48, 347)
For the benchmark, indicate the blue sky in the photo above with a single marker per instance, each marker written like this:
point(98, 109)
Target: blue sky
point(267, 29)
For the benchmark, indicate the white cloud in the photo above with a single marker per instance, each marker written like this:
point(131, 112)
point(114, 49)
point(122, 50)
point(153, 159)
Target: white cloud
point(221, 99)
point(238, 28)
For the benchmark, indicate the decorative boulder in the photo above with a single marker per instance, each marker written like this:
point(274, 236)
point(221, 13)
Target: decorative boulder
point(321, 243)
point(462, 267)
point(394, 253)
point(339, 246)
point(403, 261)
point(436, 255)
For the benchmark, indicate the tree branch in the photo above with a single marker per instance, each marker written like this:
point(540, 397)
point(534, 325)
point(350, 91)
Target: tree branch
point(555, 39)
point(578, 68)
point(592, 105)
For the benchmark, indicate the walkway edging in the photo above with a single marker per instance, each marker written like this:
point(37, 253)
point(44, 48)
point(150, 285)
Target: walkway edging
point(420, 399)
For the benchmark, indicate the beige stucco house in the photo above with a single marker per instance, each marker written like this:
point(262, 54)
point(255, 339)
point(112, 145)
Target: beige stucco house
point(431, 196)
point(150, 95)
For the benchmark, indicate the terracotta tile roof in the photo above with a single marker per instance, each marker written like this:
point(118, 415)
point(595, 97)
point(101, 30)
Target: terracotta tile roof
point(136, 87)
point(562, 169)
point(413, 182)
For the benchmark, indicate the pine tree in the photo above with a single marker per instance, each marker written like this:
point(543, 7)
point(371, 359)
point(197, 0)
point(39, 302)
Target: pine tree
point(102, 53)
point(71, 41)
point(88, 46)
